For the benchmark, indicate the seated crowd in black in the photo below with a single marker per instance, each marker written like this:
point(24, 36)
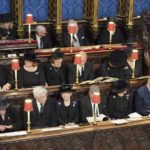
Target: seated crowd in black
point(66, 110)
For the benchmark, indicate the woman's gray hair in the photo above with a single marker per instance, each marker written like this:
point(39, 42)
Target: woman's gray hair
point(38, 90)
point(93, 89)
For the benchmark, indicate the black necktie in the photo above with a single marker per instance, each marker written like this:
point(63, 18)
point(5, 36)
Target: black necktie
point(41, 43)
point(82, 71)
point(42, 109)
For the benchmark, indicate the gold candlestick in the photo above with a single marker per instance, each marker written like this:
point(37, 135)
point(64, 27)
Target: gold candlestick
point(110, 40)
point(133, 71)
point(95, 114)
point(77, 76)
point(29, 40)
point(16, 80)
point(71, 43)
point(28, 123)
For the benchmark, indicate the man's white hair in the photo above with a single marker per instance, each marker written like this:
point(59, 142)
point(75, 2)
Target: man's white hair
point(38, 90)
point(40, 28)
point(72, 22)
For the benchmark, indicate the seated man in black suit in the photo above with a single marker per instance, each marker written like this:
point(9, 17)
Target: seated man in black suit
point(117, 36)
point(43, 114)
point(43, 39)
point(86, 107)
point(79, 38)
point(115, 66)
point(85, 70)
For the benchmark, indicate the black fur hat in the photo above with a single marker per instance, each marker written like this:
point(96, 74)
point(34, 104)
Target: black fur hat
point(57, 55)
point(120, 86)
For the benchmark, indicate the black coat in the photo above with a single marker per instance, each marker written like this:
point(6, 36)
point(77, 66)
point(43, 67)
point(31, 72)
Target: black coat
point(119, 107)
point(63, 116)
point(87, 75)
point(47, 119)
point(46, 40)
point(54, 76)
point(10, 34)
point(116, 38)
point(5, 76)
point(29, 79)
point(107, 71)
point(11, 118)
point(83, 41)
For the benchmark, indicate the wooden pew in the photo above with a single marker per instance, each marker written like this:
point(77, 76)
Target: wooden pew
point(17, 97)
point(103, 136)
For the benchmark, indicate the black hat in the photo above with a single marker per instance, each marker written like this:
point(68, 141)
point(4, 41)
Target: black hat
point(5, 18)
point(120, 86)
point(65, 88)
point(31, 56)
point(118, 58)
point(57, 55)
point(3, 102)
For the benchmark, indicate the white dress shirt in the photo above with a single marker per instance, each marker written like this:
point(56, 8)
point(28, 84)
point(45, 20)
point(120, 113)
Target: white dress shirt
point(38, 105)
point(38, 41)
point(75, 40)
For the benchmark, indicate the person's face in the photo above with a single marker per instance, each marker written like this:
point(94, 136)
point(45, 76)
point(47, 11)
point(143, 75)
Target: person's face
point(42, 98)
point(122, 93)
point(83, 60)
point(7, 25)
point(28, 63)
point(57, 62)
point(43, 33)
point(66, 96)
point(2, 111)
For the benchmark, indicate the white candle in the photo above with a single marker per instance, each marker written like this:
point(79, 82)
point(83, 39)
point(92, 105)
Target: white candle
point(15, 74)
point(28, 115)
point(29, 28)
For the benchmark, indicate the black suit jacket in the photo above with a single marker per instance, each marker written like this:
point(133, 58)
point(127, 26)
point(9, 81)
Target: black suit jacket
point(47, 42)
point(85, 108)
point(49, 115)
point(81, 36)
point(62, 117)
point(11, 118)
point(88, 73)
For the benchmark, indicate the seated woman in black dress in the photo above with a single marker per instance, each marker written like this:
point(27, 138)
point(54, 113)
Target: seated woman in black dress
point(55, 71)
point(7, 32)
point(119, 102)
point(129, 66)
point(67, 107)
point(9, 117)
point(30, 74)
